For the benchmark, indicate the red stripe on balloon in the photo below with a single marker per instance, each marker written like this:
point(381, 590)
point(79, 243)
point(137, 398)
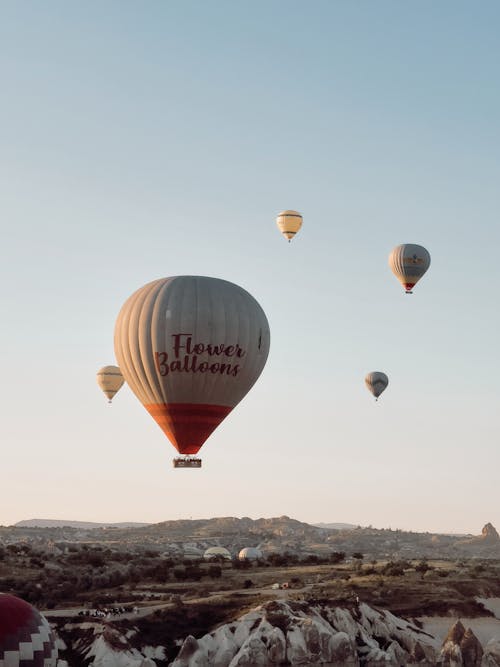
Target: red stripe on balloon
point(188, 425)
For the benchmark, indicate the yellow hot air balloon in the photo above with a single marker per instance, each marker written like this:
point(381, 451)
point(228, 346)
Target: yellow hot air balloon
point(289, 223)
point(190, 348)
point(409, 262)
point(110, 380)
point(376, 382)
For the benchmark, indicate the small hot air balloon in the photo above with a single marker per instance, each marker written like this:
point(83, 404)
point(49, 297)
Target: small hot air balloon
point(376, 382)
point(25, 636)
point(110, 380)
point(289, 223)
point(409, 262)
point(190, 348)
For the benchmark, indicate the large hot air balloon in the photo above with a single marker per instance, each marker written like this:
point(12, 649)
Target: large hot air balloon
point(26, 639)
point(289, 223)
point(110, 380)
point(409, 262)
point(376, 382)
point(190, 348)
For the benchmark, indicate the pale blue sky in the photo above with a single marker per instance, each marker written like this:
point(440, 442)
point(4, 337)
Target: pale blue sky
point(148, 139)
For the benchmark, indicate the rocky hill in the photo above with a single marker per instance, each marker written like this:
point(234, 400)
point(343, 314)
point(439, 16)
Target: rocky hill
point(282, 526)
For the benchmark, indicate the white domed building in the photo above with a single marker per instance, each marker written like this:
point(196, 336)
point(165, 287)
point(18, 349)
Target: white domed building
point(217, 553)
point(250, 553)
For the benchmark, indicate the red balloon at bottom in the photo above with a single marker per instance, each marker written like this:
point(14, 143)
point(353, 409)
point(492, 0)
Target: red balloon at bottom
point(26, 639)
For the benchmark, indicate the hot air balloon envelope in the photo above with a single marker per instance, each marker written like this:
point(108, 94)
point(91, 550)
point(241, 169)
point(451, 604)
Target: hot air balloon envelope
point(409, 262)
point(110, 380)
point(217, 553)
point(376, 382)
point(26, 639)
point(190, 348)
point(289, 223)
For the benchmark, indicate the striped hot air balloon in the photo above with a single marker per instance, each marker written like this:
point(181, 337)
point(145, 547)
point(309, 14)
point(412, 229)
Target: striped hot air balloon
point(190, 348)
point(376, 382)
point(110, 380)
point(289, 223)
point(26, 639)
point(409, 262)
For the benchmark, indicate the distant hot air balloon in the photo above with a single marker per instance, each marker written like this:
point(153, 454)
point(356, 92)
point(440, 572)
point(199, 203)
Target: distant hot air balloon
point(289, 223)
point(110, 380)
point(217, 553)
point(376, 382)
point(190, 348)
point(409, 262)
point(250, 553)
point(26, 639)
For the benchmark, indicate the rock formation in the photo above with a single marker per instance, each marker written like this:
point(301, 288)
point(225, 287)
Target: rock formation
point(298, 633)
point(461, 648)
point(489, 534)
point(291, 633)
point(488, 543)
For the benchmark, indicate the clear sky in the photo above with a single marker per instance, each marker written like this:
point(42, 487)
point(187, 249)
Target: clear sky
point(148, 139)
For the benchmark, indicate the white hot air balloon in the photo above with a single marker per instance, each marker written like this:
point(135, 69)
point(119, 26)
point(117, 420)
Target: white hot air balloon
point(190, 348)
point(409, 262)
point(110, 380)
point(376, 382)
point(217, 553)
point(289, 223)
point(250, 553)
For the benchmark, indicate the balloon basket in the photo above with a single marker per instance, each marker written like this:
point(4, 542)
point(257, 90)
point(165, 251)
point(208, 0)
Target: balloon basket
point(187, 462)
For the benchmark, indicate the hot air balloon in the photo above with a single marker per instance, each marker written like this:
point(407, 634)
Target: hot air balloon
point(289, 223)
point(409, 262)
point(25, 636)
point(376, 382)
point(190, 348)
point(217, 553)
point(110, 380)
point(250, 553)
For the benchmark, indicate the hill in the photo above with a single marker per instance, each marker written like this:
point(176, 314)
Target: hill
point(271, 535)
point(84, 525)
point(335, 526)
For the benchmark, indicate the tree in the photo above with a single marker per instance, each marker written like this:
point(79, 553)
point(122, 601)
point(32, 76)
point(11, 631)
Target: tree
point(337, 557)
point(422, 567)
point(394, 569)
point(241, 564)
point(358, 556)
point(180, 574)
point(215, 571)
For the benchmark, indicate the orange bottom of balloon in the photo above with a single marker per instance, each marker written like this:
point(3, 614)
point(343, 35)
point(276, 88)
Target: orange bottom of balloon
point(187, 425)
